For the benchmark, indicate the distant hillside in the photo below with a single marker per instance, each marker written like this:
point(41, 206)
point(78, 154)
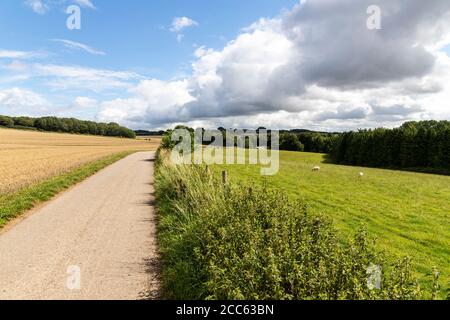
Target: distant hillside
point(67, 125)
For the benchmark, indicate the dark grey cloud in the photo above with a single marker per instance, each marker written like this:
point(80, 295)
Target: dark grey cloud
point(340, 51)
point(331, 46)
point(396, 110)
point(343, 113)
point(314, 57)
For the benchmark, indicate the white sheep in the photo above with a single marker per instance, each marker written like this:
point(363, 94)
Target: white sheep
point(361, 174)
point(316, 169)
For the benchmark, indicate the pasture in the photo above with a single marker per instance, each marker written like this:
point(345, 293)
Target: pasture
point(28, 157)
point(408, 213)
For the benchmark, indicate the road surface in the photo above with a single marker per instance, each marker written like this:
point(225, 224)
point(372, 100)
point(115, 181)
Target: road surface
point(95, 241)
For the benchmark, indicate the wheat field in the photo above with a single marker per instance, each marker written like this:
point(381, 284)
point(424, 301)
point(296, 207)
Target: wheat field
point(28, 157)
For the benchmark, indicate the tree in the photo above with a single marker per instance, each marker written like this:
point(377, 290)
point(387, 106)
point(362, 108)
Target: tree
point(6, 121)
point(69, 125)
point(290, 142)
point(422, 144)
point(24, 121)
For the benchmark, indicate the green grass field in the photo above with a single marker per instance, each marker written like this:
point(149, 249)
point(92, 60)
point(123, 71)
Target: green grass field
point(408, 213)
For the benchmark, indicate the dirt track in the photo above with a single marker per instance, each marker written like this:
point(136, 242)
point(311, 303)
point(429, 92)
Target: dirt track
point(104, 228)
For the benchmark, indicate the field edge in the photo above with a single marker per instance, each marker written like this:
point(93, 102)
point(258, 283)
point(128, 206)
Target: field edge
point(14, 205)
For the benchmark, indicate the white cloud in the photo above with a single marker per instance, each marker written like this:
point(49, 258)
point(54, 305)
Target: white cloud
point(12, 79)
point(79, 46)
point(17, 66)
point(154, 98)
point(12, 54)
point(316, 65)
point(180, 23)
point(18, 97)
point(43, 6)
point(37, 6)
point(84, 103)
point(85, 3)
point(63, 77)
point(24, 102)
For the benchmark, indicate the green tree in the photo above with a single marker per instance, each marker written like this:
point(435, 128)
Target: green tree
point(6, 121)
point(290, 142)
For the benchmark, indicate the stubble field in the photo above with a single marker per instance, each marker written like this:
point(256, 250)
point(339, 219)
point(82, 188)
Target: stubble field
point(28, 157)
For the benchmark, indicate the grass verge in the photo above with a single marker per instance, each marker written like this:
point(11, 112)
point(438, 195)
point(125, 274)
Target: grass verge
point(407, 212)
point(244, 241)
point(14, 204)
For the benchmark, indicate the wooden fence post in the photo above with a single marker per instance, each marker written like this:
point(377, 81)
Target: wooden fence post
point(224, 177)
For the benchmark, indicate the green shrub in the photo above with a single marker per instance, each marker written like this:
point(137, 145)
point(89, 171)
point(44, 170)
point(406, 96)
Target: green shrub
point(235, 242)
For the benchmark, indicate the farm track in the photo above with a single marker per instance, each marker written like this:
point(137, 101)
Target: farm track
point(103, 227)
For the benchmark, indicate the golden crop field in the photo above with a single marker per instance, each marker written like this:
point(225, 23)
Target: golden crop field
point(28, 157)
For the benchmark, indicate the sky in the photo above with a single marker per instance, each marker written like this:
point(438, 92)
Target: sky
point(281, 64)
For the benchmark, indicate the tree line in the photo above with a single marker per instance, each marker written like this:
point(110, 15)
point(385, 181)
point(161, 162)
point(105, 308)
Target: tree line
point(67, 125)
point(307, 141)
point(424, 144)
point(414, 145)
point(294, 140)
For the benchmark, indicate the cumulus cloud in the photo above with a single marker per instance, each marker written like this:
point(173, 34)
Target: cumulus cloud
point(20, 97)
point(84, 103)
point(19, 101)
point(180, 23)
point(160, 100)
point(315, 63)
point(79, 46)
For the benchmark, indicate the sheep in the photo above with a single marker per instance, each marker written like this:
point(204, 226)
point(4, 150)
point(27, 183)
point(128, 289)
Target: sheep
point(361, 174)
point(316, 169)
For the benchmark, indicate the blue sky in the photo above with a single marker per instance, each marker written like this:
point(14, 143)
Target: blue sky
point(129, 63)
point(135, 35)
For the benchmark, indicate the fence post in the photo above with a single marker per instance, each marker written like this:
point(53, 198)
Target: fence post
point(224, 177)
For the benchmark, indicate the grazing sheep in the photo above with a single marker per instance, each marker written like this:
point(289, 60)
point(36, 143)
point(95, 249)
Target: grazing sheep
point(361, 174)
point(316, 169)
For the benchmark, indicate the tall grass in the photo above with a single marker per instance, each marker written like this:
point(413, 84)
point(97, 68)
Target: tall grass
point(235, 241)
